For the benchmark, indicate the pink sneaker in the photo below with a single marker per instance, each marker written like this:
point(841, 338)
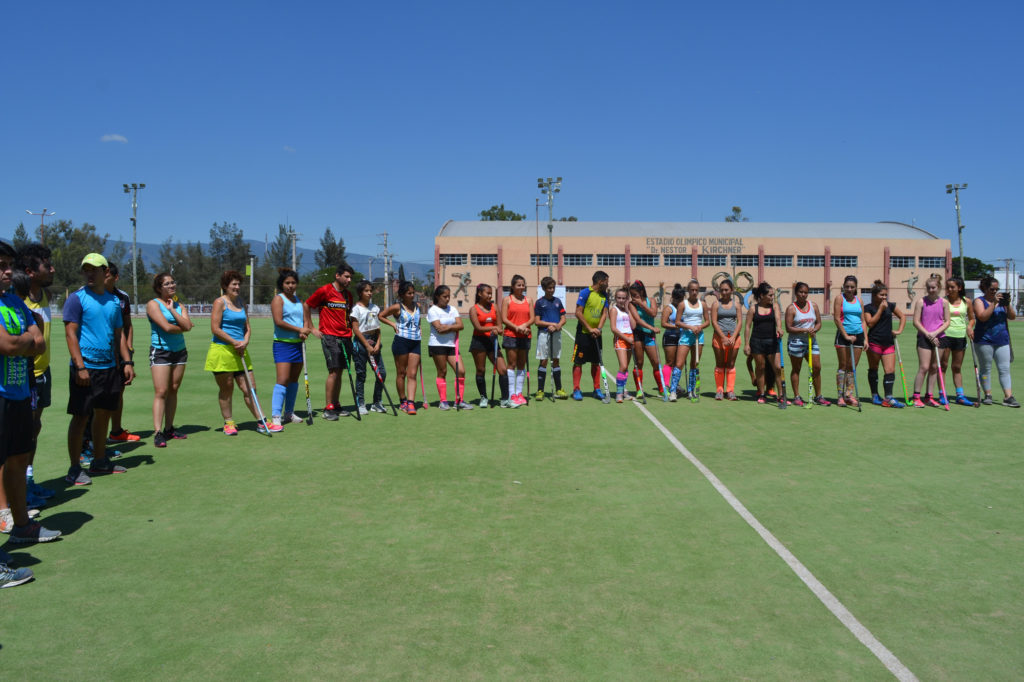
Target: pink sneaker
point(518, 399)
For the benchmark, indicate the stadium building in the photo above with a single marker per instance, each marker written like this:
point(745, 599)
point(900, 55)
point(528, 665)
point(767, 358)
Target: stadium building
point(467, 253)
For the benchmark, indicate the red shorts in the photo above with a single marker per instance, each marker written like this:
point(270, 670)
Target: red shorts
point(881, 350)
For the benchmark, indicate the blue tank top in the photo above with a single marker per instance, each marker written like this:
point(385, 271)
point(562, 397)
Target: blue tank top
point(291, 312)
point(646, 317)
point(160, 339)
point(409, 324)
point(993, 331)
point(852, 314)
point(232, 323)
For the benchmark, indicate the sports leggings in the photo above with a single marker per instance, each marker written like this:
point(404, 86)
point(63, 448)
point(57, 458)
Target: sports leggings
point(1002, 358)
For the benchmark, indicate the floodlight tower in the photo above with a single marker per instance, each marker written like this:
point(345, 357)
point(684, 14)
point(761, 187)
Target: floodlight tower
point(42, 216)
point(133, 189)
point(550, 188)
point(955, 191)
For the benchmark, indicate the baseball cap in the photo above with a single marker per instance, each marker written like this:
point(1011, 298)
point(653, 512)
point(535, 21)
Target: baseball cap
point(95, 259)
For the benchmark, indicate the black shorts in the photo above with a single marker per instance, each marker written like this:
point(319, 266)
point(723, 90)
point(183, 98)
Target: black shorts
point(102, 393)
point(440, 350)
point(858, 340)
point(585, 349)
point(763, 346)
point(336, 349)
point(403, 346)
point(670, 339)
point(15, 433)
point(482, 344)
point(42, 390)
point(515, 342)
point(160, 357)
point(953, 343)
point(923, 342)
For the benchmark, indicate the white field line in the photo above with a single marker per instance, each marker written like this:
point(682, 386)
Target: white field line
point(830, 601)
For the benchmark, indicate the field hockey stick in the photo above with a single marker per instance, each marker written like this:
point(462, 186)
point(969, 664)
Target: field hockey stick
point(551, 360)
point(853, 364)
point(376, 373)
point(696, 371)
point(977, 377)
point(639, 382)
point(782, 376)
point(351, 381)
point(255, 401)
point(494, 367)
point(903, 376)
point(527, 396)
point(423, 391)
point(604, 374)
point(810, 372)
point(942, 379)
point(457, 400)
point(305, 378)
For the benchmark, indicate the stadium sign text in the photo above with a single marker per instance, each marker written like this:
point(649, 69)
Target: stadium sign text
point(710, 245)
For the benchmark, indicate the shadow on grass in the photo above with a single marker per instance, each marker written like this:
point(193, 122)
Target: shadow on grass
point(67, 523)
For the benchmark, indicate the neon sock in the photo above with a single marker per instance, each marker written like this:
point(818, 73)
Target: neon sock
point(959, 390)
point(462, 389)
point(620, 382)
point(730, 379)
point(503, 386)
point(658, 382)
point(556, 374)
point(595, 371)
point(577, 374)
point(291, 392)
point(638, 378)
point(481, 385)
point(277, 403)
point(666, 375)
point(719, 379)
point(442, 389)
point(542, 373)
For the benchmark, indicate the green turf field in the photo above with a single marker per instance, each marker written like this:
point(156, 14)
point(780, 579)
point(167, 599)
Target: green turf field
point(557, 541)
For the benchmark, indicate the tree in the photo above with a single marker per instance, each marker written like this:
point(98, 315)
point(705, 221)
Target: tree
point(21, 237)
point(974, 268)
point(401, 273)
point(737, 216)
point(570, 219)
point(279, 251)
point(331, 253)
point(228, 248)
point(69, 245)
point(499, 212)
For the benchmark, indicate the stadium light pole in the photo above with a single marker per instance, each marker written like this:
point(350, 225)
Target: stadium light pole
point(133, 189)
point(955, 191)
point(550, 188)
point(42, 227)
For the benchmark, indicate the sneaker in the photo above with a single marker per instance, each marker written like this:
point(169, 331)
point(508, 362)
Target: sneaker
point(159, 440)
point(260, 428)
point(85, 459)
point(38, 490)
point(100, 467)
point(12, 577)
point(672, 397)
point(6, 521)
point(403, 406)
point(275, 425)
point(719, 395)
point(330, 413)
point(962, 400)
point(1010, 402)
point(731, 396)
point(444, 406)
point(599, 394)
point(877, 400)
point(171, 433)
point(33, 532)
point(76, 476)
point(33, 513)
point(798, 401)
point(841, 402)
point(539, 395)
point(122, 436)
point(943, 400)
point(892, 402)
point(465, 406)
point(783, 404)
point(918, 402)
point(483, 403)
point(342, 413)
point(561, 395)
point(771, 392)
point(823, 401)
point(931, 402)
point(852, 402)
point(376, 407)
point(410, 408)
point(293, 418)
point(230, 429)
point(519, 399)
point(114, 454)
point(760, 399)
point(33, 501)
point(363, 410)
point(509, 405)
point(618, 397)
point(987, 400)
point(577, 394)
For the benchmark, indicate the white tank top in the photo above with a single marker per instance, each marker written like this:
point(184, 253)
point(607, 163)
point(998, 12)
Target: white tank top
point(622, 321)
point(693, 317)
point(803, 320)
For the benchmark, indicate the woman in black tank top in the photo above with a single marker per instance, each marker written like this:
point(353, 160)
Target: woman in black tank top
point(763, 332)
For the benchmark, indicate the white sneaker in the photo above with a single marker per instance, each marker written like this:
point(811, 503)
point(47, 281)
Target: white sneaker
point(672, 397)
point(363, 410)
point(293, 418)
point(483, 403)
point(6, 521)
point(378, 408)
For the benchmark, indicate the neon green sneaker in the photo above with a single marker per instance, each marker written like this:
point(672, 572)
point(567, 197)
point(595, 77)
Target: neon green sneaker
point(539, 395)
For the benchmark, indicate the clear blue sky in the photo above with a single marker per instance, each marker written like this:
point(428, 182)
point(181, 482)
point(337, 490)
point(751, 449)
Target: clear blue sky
point(396, 116)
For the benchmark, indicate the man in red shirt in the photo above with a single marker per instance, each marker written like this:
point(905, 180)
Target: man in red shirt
point(334, 302)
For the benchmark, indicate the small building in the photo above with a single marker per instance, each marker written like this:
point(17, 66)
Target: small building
point(467, 253)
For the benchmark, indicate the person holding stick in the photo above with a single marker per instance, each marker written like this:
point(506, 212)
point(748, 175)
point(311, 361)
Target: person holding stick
point(549, 316)
point(848, 315)
point(591, 313)
point(882, 343)
point(954, 344)
point(366, 330)
point(803, 322)
point(405, 347)
point(727, 323)
point(445, 325)
point(644, 341)
point(517, 318)
point(931, 319)
point(762, 332)
point(334, 302)
point(289, 334)
point(484, 346)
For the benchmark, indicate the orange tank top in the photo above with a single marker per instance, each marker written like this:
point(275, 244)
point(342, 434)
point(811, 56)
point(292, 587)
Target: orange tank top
point(519, 313)
point(486, 318)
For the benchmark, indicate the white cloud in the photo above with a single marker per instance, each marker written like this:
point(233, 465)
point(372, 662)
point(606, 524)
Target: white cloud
point(290, 149)
point(114, 138)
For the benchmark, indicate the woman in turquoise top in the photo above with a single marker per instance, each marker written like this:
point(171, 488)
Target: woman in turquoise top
point(230, 327)
point(289, 334)
point(848, 314)
point(168, 320)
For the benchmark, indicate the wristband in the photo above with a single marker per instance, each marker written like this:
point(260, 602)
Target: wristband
point(128, 362)
point(80, 369)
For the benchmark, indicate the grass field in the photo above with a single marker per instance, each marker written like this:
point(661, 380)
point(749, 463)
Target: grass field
point(557, 541)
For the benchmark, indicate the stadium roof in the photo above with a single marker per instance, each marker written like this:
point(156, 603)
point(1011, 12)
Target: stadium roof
point(528, 228)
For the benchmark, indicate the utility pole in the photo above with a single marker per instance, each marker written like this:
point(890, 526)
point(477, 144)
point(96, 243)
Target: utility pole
point(955, 191)
point(294, 236)
point(550, 187)
point(386, 256)
point(133, 189)
point(42, 228)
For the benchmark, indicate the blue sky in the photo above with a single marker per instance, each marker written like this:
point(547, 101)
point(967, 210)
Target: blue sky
point(396, 116)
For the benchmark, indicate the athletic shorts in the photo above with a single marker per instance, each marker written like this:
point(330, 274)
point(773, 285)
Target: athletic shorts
point(670, 339)
point(763, 346)
point(923, 342)
point(624, 345)
point(797, 346)
point(715, 343)
point(515, 342)
point(403, 346)
point(440, 350)
point(16, 433)
point(336, 349)
point(285, 351)
point(879, 349)
point(585, 349)
point(644, 337)
point(102, 393)
point(549, 345)
point(688, 338)
point(858, 340)
point(160, 357)
point(42, 391)
point(953, 343)
point(482, 344)
point(221, 357)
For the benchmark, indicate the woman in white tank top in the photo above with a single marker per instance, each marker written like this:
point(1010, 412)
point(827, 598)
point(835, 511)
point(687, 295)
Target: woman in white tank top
point(803, 321)
point(691, 319)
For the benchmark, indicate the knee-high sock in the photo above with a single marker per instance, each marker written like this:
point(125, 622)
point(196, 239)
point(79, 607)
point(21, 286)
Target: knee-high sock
point(840, 383)
point(873, 381)
point(481, 385)
point(620, 382)
point(595, 371)
point(720, 379)
point(666, 375)
point(512, 381)
point(849, 384)
point(277, 404)
point(730, 379)
point(461, 382)
point(542, 374)
point(577, 374)
point(556, 375)
point(676, 376)
point(442, 389)
point(503, 385)
point(291, 392)
point(657, 380)
point(638, 378)
point(888, 381)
